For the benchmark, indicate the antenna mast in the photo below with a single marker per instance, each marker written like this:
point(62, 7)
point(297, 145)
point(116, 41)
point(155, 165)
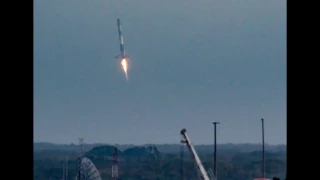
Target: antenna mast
point(215, 150)
point(63, 173)
point(115, 165)
point(66, 168)
point(263, 160)
point(81, 140)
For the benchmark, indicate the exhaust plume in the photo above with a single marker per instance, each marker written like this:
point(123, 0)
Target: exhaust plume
point(125, 67)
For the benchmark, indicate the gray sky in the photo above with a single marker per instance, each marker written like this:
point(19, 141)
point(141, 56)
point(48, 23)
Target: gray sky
point(191, 62)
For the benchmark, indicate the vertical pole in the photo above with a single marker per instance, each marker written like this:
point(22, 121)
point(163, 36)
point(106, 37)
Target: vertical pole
point(114, 167)
point(181, 160)
point(263, 159)
point(81, 141)
point(215, 150)
point(67, 168)
point(63, 171)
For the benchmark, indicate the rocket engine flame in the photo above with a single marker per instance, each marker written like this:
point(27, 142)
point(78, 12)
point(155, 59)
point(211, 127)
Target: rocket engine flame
point(125, 67)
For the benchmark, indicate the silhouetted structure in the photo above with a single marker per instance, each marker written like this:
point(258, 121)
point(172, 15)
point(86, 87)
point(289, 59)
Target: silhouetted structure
point(115, 165)
point(215, 150)
point(263, 160)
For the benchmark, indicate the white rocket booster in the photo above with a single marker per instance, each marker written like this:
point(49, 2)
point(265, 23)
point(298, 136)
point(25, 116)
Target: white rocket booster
point(122, 52)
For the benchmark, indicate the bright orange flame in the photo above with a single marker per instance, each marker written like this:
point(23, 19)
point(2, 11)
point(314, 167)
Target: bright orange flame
point(125, 67)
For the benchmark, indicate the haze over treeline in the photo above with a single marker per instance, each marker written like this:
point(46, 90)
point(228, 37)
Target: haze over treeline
point(165, 148)
point(161, 162)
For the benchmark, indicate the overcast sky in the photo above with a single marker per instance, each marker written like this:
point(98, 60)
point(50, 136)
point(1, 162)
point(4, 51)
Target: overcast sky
point(192, 62)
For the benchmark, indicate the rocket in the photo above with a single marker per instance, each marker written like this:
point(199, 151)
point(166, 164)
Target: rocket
point(122, 52)
point(122, 55)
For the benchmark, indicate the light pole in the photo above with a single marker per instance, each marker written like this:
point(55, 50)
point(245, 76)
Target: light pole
point(263, 160)
point(215, 149)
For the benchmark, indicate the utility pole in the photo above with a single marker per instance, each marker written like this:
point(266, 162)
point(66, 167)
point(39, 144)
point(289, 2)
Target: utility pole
point(66, 168)
point(263, 160)
point(114, 174)
point(81, 155)
point(81, 141)
point(215, 149)
point(63, 174)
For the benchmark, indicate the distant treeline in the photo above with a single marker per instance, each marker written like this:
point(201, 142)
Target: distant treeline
point(150, 163)
point(165, 148)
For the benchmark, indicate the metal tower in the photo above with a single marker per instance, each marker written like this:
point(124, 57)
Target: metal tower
point(63, 173)
point(215, 150)
point(115, 165)
point(66, 168)
point(81, 141)
point(81, 155)
point(263, 159)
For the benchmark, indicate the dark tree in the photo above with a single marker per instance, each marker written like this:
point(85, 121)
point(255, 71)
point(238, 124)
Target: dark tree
point(276, 178)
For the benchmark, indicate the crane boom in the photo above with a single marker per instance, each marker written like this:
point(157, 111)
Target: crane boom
point(202, 174)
